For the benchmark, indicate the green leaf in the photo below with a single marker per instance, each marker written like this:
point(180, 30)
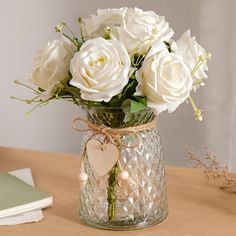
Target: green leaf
point(137, 106)
point(137, 60)
point(140, 99)
point(72, 90)
point(133, 106)
point(115, 101)
point(79, 43)
point(91, 104)
point(168, 46)
point(40, 89)
point(130, 88)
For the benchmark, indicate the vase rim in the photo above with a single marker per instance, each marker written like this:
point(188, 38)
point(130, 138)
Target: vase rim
point(84, 107)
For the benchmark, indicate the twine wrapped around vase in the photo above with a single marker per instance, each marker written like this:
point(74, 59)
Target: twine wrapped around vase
point(113, 135)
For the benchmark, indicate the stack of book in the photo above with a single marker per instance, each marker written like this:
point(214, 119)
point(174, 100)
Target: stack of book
point(20, 201)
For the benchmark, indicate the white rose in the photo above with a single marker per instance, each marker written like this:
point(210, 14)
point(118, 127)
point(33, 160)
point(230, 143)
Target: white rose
point(100, 69)
point(192, 54)
point(52, 63)
point(136, 28)
point(164, 79)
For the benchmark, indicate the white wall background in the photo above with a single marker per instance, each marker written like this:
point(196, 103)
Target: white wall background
point(28, 24)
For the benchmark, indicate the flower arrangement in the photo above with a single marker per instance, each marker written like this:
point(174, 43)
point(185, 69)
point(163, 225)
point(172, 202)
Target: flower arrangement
point(126, 64)
point(124, 58)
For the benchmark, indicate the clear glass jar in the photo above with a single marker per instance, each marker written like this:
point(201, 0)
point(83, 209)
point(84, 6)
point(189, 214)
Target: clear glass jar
point(137, 202)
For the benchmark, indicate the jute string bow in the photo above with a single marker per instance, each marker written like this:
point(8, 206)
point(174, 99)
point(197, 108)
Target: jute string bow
point(114, 135)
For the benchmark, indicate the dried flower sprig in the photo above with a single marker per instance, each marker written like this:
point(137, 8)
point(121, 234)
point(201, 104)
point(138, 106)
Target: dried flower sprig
point(213, 169)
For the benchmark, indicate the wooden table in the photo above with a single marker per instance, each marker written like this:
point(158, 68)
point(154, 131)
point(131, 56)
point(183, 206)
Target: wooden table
point(196, 206)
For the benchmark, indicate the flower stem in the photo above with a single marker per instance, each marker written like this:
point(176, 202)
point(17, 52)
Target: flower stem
point(197, 111)
point(192, 103)
point(26, 86)
point(201, 59)
point(69, 29)
point(27, 101)
point(81, 31)
point(69, 38)
point(111, 191)
point(40, 104)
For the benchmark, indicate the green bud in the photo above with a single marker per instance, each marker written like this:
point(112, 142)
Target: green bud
point(58, 28)
point(79, 19)
point(107, 33)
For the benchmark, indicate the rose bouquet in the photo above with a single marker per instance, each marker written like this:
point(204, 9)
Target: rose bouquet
point(122, 54)
point(126, 67)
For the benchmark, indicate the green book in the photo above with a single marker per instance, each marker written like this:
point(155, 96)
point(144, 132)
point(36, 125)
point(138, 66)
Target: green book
point(18, 197)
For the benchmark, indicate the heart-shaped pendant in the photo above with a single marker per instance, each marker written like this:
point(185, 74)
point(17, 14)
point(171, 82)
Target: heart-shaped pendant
point(102, 157)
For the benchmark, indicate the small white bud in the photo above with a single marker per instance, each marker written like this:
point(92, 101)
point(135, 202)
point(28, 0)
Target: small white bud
point(83, 177)
point(198, 115)
point(194, 89)
point(202, 57)
point(208, 55)
point(200, 118)
point(124, 175)
point(58, 28)
point(202, 84)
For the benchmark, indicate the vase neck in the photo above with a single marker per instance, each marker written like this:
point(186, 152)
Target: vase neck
point(118, 118)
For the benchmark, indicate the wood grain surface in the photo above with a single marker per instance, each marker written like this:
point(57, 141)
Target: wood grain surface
point(196, 206)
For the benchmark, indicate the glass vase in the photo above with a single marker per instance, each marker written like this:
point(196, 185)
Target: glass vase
point(140, 200)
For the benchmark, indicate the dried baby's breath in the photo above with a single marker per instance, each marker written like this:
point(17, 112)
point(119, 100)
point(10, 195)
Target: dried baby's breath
point(213, 169)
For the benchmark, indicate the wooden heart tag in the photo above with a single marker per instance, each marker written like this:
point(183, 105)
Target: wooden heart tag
point(102, 157)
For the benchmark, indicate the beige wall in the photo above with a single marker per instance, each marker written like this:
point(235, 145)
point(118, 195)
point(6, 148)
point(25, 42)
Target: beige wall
point(28, 24)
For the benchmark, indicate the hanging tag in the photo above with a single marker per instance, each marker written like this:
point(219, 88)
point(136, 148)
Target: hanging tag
point(102, 157)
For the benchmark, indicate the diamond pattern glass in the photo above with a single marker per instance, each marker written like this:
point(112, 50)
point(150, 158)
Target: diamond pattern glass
point(141, 200)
